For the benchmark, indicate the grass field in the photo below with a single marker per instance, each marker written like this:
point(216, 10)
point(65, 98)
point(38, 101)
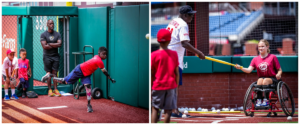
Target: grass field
point(161, 122)
point(279, 123)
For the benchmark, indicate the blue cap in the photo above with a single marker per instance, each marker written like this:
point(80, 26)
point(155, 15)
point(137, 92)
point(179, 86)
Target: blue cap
point(186, 9)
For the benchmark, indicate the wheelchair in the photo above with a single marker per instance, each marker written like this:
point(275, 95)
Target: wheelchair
point(279, 92)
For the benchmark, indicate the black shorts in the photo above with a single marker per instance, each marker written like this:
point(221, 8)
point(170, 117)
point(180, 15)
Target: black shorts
point(275, 81)
point(51, 63)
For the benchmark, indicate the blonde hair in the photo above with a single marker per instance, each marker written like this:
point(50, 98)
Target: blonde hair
point(266, 43)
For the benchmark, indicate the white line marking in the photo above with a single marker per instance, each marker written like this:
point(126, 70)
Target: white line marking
point(52, 107)
point(237, 117)
point(216, 122)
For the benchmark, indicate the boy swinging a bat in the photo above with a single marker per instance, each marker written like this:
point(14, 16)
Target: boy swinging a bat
point(180, 41)
point(84, 71)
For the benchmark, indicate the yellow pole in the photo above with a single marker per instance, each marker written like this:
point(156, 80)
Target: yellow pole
point(69, 3)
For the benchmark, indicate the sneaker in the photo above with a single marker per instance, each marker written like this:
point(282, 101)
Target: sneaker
point(265, 102)
point(23, 95)
point(89, 108)
point(45, 77)
point(258, 102)
point(50, 93)
point(14, 96)
point(6, 97)
point(56, 93)
point(59, 80)
point(179, 115)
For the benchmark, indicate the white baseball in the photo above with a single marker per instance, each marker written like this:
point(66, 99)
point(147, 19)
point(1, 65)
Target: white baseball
point(147, 36)
point(289, 118)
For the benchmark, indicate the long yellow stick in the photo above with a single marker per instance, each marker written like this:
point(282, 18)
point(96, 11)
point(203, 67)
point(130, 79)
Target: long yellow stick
point(219, 61)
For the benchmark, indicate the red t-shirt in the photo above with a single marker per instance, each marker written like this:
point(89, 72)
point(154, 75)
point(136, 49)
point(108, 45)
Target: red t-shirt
point(164, 63)
point(266, 67)
point(23, 68)
point(91, 65)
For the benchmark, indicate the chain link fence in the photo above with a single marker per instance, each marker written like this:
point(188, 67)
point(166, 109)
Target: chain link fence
point(235, 28)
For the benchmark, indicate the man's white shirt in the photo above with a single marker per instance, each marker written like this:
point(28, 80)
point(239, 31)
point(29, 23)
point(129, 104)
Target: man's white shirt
point(180, 32)
point(10, 65)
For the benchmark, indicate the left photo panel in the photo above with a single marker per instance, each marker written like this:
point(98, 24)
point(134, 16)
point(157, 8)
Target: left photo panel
point(75, 62)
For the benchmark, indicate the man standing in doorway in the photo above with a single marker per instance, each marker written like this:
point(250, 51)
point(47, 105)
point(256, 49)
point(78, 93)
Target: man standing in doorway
point(180, 41)
point(50, 41)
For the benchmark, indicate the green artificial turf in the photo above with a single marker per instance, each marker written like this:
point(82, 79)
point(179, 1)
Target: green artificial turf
point(163, 122)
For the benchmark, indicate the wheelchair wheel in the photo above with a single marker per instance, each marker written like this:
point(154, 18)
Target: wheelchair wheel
point(286, 99)
point(248, 101)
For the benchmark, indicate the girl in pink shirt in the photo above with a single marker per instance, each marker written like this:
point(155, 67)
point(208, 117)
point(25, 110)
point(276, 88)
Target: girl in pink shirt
point(268, 69)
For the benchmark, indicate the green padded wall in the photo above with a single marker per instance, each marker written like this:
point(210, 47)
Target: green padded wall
point(52, 10)
point(9, 10)
point(219, 67)
point(143, 89)
point(93, 30)
point(73, 38)
point(125, 51)
point(193, 64)
point(288, 63)
point(27, 43)
point(243, 61)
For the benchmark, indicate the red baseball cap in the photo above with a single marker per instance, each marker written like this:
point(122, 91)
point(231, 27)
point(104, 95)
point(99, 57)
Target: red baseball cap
point(163, 35)
point(9, 51)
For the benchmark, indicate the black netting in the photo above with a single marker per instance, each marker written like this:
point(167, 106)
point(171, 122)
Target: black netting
point(234, 28)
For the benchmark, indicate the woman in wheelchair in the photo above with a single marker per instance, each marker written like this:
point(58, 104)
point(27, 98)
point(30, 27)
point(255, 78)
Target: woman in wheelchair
point(268, 70)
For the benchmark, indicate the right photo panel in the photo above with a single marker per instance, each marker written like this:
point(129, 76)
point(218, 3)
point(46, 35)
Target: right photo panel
point(224, 62)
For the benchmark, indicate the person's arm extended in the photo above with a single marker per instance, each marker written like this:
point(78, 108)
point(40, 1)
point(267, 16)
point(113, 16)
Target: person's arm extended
point(279, 73)
point(45, 45)
point(188, 46)
point(107, 75)
point(246, 70)
point(55, 45)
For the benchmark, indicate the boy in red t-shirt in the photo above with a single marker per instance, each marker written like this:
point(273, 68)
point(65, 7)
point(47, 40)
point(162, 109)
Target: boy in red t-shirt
point(84, 71)
point(164, 77)
point(24, 71)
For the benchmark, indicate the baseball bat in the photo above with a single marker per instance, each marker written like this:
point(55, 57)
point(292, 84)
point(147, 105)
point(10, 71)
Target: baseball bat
point(219, 61)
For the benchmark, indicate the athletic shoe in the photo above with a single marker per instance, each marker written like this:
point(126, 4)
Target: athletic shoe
point(45, 77)
point(179, 115)
point(50, 93)
point(59, 80)
point(265, 102)
point(56, 93)
point(6, 97)
point(23, 95)
point(89, 108)
point(14, 96)
point(258, 102)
